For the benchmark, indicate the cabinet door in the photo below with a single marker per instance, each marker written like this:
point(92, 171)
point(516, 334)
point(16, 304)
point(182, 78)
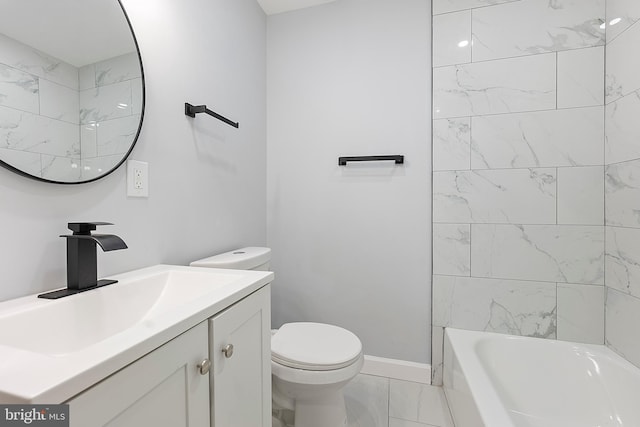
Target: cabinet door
point(162, 389)
point(241, 382)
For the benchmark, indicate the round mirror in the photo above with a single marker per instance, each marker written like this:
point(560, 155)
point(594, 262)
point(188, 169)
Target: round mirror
point(71, 88)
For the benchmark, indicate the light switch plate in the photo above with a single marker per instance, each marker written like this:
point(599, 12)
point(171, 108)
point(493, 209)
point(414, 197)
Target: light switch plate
point(137, 178)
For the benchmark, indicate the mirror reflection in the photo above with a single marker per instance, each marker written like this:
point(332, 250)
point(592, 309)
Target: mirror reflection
point(71, 88)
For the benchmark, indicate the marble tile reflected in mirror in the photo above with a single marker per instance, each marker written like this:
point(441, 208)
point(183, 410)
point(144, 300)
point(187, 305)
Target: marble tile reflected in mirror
point(71, 103)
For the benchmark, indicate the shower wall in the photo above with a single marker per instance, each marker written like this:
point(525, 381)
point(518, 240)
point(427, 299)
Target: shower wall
point(518, 160)
point(622, 180)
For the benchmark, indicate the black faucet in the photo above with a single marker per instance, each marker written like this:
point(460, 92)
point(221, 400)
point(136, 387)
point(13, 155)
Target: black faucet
point(82, 261)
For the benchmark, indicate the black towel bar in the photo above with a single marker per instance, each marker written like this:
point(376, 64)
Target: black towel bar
point(342, 161)
point(192, 110)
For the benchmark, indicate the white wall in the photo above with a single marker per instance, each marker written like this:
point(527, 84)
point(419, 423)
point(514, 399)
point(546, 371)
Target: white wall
point(351, 245)
point(207, 189)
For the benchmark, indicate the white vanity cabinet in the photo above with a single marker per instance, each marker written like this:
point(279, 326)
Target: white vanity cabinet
point(162, 389)
point(168, 388)
point(240, 350)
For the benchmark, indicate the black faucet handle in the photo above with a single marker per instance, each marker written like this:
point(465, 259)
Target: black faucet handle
point(85, 228)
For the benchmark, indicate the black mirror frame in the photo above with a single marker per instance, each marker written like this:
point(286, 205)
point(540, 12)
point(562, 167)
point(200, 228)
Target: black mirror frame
point(135, 139)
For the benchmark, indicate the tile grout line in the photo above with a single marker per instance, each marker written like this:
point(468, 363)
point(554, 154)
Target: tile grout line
point(505, 58)
point(604, 180)
point(527, 224)
point(388, 401)
point(522, 168)
point(626, 294)
point(557, 310)
point(534, 111)
point(471, 31)
point(433, 161)
point(477, 7)
point(557, 193)
point(518, 280)
point(557, 86)
point(622, 32)
point(470, 260)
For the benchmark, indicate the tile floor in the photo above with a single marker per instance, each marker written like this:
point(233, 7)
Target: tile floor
point(382, 402)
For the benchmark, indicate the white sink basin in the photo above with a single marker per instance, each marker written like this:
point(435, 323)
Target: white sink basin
point(65, 344)
point(79, 321)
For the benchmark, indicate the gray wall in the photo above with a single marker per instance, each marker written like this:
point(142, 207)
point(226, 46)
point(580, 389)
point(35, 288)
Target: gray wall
point(207, 180)
point(518, 162)
point(622, 157)
point(351, 245)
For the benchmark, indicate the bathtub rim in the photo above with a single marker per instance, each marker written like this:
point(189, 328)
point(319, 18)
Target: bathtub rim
point(462, 345)
point(475, 375)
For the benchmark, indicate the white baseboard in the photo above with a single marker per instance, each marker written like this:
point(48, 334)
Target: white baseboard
point(397, 369)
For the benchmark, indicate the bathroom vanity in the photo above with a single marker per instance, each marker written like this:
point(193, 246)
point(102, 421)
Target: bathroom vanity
point(166, 346)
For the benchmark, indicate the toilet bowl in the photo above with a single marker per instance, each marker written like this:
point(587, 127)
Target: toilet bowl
point(310, 362)
point(310, 365)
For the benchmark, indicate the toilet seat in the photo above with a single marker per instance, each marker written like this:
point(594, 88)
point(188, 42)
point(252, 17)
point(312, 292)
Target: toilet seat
point(314, 347)
point(303, 376)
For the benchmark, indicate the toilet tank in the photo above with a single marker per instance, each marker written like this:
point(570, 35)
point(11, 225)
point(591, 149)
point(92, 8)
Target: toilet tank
point(250, 258)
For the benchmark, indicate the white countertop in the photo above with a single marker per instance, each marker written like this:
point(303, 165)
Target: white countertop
point(32, 376)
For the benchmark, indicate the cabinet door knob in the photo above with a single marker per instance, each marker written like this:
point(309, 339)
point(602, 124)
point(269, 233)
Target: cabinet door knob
point(204, 367)
point(228, 350)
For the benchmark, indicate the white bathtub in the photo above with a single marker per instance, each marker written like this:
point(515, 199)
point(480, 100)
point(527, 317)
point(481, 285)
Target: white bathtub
point(495, 380)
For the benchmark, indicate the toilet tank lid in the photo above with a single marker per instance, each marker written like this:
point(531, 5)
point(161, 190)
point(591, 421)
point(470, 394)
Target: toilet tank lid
point(238, 259)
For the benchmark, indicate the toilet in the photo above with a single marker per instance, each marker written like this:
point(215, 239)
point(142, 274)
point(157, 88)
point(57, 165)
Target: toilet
point(310, 362)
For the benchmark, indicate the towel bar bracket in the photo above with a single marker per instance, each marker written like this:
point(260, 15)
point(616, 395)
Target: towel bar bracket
point(192, 110)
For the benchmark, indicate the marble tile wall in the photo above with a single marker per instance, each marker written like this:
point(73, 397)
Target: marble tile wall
point(39, 108)
point(63, 123)
point(110, 107)
point(383, 402)
point(622, 186)
point(519, 168)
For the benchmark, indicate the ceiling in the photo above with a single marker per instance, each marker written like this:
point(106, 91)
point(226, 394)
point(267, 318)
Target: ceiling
point(272, 7)
point(82, 32)
point(79, 32)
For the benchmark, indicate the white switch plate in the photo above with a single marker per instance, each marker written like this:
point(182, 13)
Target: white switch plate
point(137, 178)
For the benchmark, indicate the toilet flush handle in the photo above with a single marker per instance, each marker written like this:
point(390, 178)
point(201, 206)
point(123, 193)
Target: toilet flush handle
point(228, 351)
